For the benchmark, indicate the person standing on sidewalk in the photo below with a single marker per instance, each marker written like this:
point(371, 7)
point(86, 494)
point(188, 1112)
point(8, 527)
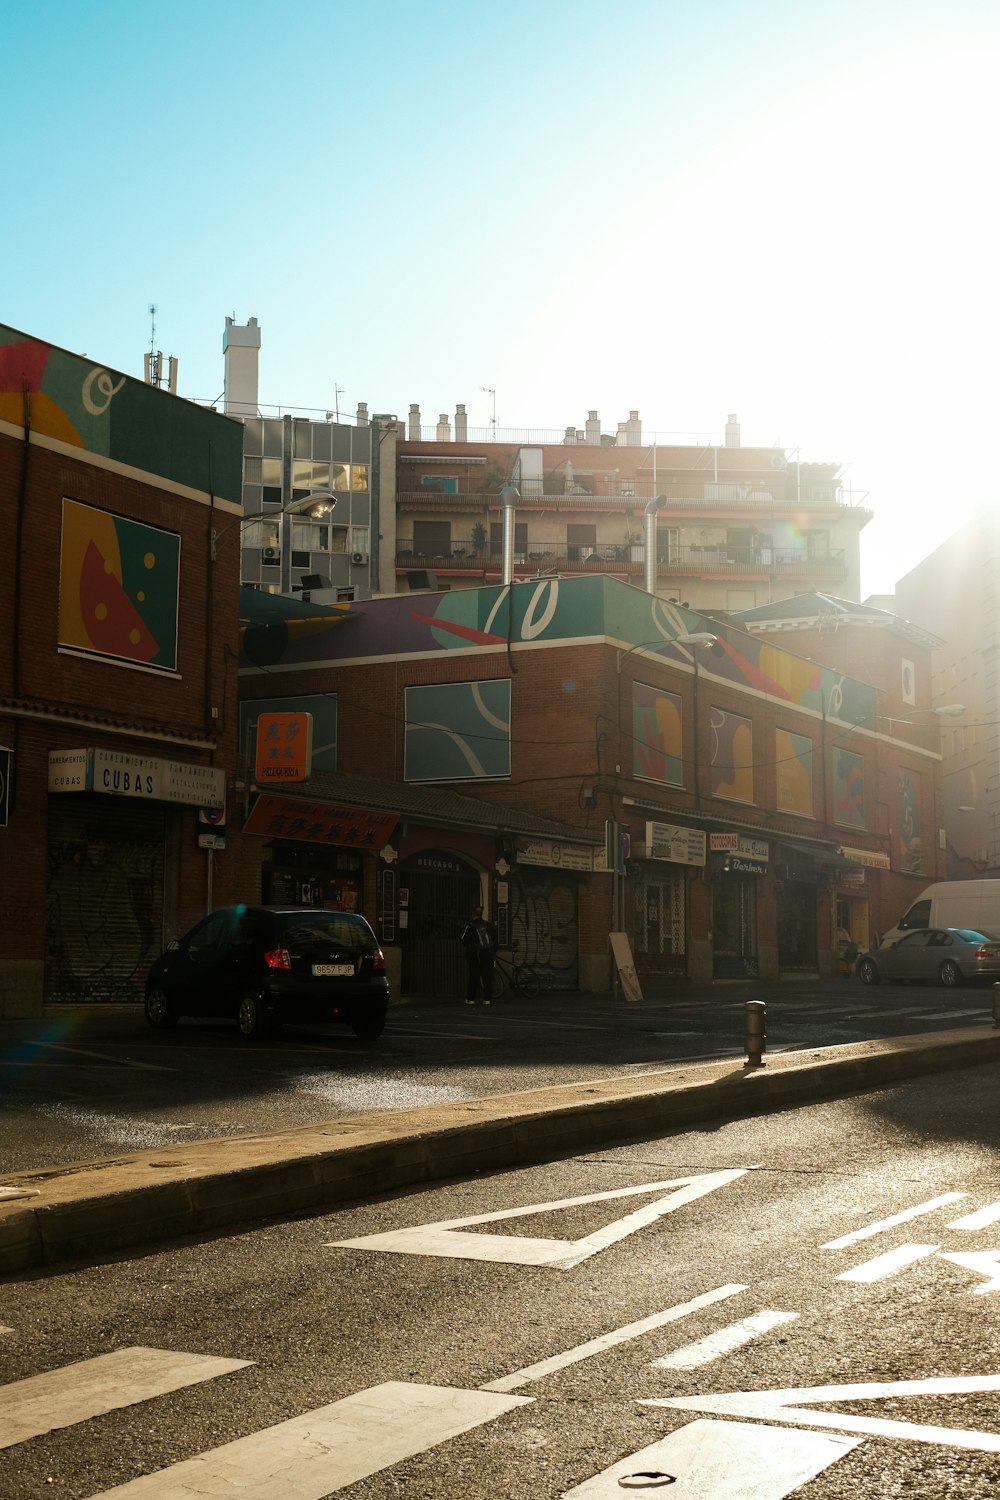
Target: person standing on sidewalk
point(479, 939)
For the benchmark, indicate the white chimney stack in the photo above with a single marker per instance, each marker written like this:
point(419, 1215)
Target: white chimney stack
point(241, 354)
point(413, 424)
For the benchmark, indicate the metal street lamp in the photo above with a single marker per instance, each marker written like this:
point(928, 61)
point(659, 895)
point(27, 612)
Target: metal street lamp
point(318, 503)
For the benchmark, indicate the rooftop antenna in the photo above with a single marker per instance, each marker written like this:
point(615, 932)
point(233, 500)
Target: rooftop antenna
point(493, 410)
point(153, 361)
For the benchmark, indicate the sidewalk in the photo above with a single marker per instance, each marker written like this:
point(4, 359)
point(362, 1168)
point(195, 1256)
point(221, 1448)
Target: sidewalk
point(101, 1208)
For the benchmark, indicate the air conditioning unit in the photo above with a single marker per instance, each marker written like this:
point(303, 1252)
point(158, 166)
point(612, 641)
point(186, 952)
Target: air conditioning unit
point(272, 556)
point(359, 559)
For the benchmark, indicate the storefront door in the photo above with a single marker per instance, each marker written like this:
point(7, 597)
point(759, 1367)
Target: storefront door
point(797, 926)
point(441, 893)
point(734, 928)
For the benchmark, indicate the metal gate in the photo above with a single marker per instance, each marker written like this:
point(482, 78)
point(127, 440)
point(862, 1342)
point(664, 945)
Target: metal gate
point(104, 898)
point(439, 903)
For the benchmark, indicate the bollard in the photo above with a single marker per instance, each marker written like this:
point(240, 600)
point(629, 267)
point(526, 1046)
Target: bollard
point(753, 1033)
point(996, 1005)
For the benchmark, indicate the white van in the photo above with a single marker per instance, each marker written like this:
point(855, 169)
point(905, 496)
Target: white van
point(952, 903)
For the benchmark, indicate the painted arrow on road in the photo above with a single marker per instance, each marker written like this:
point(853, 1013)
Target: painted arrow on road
point(780, 1405)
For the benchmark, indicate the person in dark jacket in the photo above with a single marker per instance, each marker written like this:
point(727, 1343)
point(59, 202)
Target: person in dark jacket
point(479, 939)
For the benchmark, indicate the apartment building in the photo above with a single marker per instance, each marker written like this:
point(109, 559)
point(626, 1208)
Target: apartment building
point(736, 527)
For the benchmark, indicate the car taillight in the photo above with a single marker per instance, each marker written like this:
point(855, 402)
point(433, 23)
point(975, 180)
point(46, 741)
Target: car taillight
point(278, 958)
point(378, 962)
point(987, 952)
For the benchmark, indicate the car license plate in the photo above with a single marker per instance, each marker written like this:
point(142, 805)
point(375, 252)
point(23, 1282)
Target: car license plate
point(333, 971)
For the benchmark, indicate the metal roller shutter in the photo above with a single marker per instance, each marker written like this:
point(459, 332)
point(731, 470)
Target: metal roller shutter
point(104, 898)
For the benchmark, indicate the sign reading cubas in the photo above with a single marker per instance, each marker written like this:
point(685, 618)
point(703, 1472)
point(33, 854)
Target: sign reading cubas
point(141, 777)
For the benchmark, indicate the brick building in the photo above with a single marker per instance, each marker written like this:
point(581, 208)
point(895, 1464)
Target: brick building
point(485, 742)
point(119, 634)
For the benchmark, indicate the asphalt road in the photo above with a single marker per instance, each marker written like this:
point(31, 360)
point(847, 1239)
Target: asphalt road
point(89, 1082)
point(851, 1244)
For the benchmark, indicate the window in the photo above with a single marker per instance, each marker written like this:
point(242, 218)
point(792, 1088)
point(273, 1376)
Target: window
point(731, 752)
point(581, 540)
point(667, 544)
point(659, 925)
point(359, 476)
point(310, 536)
point(310, 474)
point(431, 538)
point(444, 484)
point(520, 539)
point(261, 534)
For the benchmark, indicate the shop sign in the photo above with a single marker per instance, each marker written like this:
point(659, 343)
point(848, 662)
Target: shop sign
point(681, 846)
point(739, 843)
point(739, 864)
point(140, 777)
point(284, 747)
point(873, 860)
point(275, 817)
point(555, 855)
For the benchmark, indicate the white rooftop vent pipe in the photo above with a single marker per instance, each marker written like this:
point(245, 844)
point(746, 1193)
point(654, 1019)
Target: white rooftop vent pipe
point(649, 530)
point(508, 495)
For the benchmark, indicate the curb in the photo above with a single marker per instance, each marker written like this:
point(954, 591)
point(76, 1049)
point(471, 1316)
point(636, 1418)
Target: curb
point(100, 1208)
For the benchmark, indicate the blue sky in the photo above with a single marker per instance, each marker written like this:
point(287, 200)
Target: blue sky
point(781, 210)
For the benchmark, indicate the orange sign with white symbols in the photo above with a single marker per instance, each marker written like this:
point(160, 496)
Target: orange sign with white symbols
point(284, 747)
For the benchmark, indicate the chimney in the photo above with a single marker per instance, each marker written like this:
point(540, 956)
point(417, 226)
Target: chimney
point(634, 429)
point(444, 428)
point(241, 355)
point(621, 440)
point(461, 425)
point(732, 431)
point(570, 436)
point(362, 416)
point(413, 424)
point(593, 428)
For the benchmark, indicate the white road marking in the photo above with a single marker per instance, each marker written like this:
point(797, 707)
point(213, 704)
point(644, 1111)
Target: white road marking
point(952, 1015)
point(901, 1218)
point(981, 1219)
point(61, 1398)
point(119, 1062)
point(768, 1406)
point(986, 1262)
point(720, 1461)
point(325, 1450)
point(888, 1264)
point(609, 1340)
point(723, 1341)
point(444, 1238)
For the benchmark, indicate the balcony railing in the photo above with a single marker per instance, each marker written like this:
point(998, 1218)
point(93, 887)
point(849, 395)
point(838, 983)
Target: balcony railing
point(628, 558)
point(617, 497)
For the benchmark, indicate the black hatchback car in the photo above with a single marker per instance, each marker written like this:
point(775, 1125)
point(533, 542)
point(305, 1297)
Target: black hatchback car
point(265, 965)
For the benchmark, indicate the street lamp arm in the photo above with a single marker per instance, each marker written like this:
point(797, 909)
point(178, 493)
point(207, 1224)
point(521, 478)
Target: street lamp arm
point(318, 502)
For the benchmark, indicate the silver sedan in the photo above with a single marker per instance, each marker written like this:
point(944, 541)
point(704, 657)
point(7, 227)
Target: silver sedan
point(947, 955)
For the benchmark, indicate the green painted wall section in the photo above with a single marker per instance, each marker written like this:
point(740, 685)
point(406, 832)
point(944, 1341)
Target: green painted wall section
point(101, 411)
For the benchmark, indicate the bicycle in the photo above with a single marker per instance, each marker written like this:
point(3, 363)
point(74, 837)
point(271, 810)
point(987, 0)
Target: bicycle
point(521, 979)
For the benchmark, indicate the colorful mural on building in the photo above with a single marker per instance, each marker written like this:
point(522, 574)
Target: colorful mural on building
point(550, 611)
point(793, 778)
point(69, 398)
point(457, 731)
point(731, 755)
point(657, 735)
point(118, 587)
point(848, 788)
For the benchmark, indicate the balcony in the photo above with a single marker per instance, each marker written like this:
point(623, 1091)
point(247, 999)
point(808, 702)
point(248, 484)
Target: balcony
point(626, 560)
point(617, 497)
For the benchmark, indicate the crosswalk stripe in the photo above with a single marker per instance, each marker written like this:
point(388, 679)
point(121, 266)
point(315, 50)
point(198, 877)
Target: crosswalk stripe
point(61, 1398)
point(325, 1450)
point(610, 1340)
point(723, 1341)
point(881, 1225)
point(887, 1265)
point(981, 1219)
